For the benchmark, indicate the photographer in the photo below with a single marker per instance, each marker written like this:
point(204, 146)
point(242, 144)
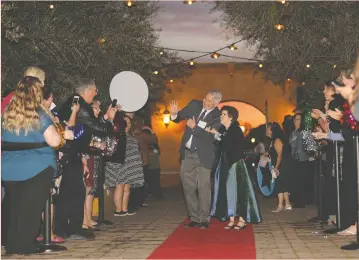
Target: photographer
point(70, 207)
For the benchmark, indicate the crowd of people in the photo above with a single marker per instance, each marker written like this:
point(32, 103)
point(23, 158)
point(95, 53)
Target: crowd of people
point(60, 150)
point(215, 179)
point(295, 163)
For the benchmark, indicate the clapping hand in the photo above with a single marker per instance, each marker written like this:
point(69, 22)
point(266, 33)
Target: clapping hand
point(337, 114)
point(191, 123)
point(211, 130)
point(316, 114)
point(320, 135)
point(174, 107)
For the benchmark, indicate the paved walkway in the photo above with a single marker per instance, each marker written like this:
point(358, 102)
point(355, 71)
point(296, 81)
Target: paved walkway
point(285, 235)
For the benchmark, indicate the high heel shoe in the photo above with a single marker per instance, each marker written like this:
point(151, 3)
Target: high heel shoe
point(89, 228)
point(240, 227)
point(230, 225)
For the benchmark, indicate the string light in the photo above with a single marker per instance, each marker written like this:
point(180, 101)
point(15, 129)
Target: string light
point(161, 53)
point(334, 66)
point(189, 2)
point(279, 27)
point(260, 65)
point(129, 3)
point(303, 83)
point(171, 80)
point(308, 66)
point(233, 47)
point(52, 6)
point(101, 40)
point(191, 62)
point(155, 72)
point(288, 79)
point(215, 55)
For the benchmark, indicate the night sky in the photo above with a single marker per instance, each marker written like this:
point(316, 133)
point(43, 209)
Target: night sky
point(195, 27)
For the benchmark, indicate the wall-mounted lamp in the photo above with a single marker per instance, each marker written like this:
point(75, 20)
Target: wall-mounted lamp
point(166, 117)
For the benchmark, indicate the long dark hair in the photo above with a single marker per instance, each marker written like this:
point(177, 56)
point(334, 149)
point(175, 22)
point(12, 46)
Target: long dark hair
point(277, 132)
point(302, 126)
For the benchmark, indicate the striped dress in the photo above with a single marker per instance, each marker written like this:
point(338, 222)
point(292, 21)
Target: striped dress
point(131, 172)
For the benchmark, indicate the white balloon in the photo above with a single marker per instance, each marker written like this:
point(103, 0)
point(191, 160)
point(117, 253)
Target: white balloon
point(130, 90)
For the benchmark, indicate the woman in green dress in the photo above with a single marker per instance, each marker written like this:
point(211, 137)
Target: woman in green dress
point(233, 193)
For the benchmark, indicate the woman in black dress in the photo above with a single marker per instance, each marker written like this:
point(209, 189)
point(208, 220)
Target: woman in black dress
point(279, 154)
point(233, 194)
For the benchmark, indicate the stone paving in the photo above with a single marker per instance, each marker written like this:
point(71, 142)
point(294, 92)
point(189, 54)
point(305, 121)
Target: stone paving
point(285, 235)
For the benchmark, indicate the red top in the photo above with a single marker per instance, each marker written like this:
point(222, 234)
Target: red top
point(6, 101)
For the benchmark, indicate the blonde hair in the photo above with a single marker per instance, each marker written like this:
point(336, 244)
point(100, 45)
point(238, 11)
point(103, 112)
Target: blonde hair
point(22, 111)
point(35, 72)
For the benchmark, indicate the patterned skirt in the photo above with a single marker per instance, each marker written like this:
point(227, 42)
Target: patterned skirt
point(130, 172)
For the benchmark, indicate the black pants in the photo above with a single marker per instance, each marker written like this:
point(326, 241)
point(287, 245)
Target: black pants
point(69, 209)
point(138, 195)
point(303, 187)
point(330, 190)
point(26, 200)
point(154, 182)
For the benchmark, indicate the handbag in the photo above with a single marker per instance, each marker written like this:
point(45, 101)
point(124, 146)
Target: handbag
point(309, 143)
point(106, 144)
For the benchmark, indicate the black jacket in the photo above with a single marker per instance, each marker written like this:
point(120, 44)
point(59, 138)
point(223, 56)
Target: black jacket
point(232, 143)
point(91, 124)
point(203, 140)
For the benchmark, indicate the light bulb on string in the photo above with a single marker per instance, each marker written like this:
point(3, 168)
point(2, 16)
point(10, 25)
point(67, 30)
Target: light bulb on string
point(334, 66)
point(52, 6)
point(260, 65)
point(191, 62)
point(156, 72)
point(215, 55)
point(279, 26)
point(189, 2)
point(161, 53)
point(129, 3)
point(308, 66)
point(101, 40)
point(171, 80)
point(233, 47)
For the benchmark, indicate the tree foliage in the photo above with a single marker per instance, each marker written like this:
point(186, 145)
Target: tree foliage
point(84, 39)
point(323, 34)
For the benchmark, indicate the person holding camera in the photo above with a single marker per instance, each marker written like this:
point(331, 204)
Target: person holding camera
point(70, 204)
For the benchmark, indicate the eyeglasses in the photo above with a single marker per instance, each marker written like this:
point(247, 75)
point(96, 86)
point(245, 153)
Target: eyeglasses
point(94, 89)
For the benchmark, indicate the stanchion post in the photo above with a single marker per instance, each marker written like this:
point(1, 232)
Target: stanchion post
point(101, 194)
point(336, 150)
point(320, 189)
point(337, 175)
point(355, 246)
point(47, 246)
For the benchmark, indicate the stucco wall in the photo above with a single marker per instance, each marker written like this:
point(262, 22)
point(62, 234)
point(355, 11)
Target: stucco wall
point(235, 81)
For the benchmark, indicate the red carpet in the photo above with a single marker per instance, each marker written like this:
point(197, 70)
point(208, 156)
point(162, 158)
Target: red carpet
point(212, 243)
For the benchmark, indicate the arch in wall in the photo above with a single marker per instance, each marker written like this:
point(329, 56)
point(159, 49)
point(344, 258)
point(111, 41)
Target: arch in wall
point(248, 113)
